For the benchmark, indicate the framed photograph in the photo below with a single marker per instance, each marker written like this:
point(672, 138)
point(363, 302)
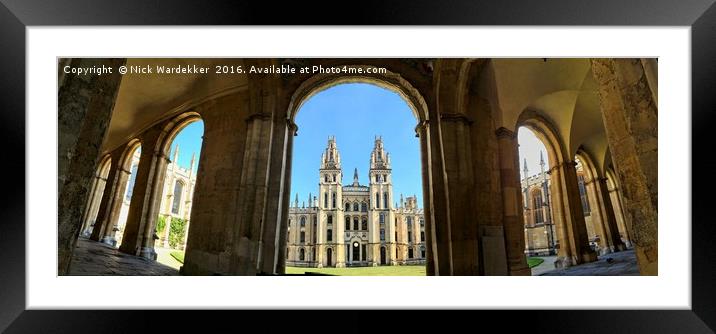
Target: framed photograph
point(500, 159)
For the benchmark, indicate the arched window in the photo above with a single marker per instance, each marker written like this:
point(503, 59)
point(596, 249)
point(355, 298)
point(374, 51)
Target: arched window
point(355, 206)
point(382, 234)
point(325, 178)
point(348, 223)
point(330, 220)
point(329, 235)
point(377, 178)
point(334, 177)
point(364, 224)
point(377, 200)
point(537, 207)
point(410, 252)
point(325, 200)
point(348, 206)
point(333, 202)
point(303, 221)
point(422, 235)
point(385, 200)
point(364, 207)
point(178, 190)
point(382, 218)
point(302, 254)
point(355, 223)
point(303, 236)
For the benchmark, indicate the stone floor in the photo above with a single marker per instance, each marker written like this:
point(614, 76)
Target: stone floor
point(547, 265)
point(92, 258)
point(623, 264)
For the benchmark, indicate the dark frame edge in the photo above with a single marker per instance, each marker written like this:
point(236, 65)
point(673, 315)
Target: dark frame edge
point(703, 250)
point(12, 132)
point(12, 234)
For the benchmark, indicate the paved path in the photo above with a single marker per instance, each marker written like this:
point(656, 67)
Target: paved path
point(623, 264)
point(545, 266)
point(92, 258)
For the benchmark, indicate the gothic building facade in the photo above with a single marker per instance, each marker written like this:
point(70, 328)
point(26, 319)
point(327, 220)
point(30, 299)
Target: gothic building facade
point(541, 235)
point(355, 224)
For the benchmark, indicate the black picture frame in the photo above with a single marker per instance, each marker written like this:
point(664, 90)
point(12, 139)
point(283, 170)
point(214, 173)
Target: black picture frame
point(16, 15)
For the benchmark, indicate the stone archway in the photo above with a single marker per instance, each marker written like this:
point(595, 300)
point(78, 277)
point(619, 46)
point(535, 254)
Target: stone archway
point(566, 205)
point(139, 234)
point(111, 205)
point(314, 84)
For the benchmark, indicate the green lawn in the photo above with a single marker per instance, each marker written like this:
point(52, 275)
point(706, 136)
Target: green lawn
point(178, 255)
point(413, 270)
point(534, 261)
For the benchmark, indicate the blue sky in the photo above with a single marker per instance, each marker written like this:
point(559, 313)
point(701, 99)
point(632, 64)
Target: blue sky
point(530, 148)
point(189, 141)
point(355, 114)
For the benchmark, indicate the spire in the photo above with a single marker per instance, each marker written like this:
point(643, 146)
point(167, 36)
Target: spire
point(176, 155)
point(296, 200)
point(355, 178)
point(309, 199)
point(541, 164)
point(331, 159)
point(379, 159)
point(193, 159)
point(525, 169)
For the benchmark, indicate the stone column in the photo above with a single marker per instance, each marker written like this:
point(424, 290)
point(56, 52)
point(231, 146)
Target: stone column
point(457, 152)
point(273, 253)
point(108, 215)
point(252, 194)
point(606, 211)
point(215, 206)
point(631, 123)
point(512, 206)
point(597, 218)
point(108, 196)
point(85, 104)
point(93, 202)
point(574, 242)
point(146, 196)
point(616, 201)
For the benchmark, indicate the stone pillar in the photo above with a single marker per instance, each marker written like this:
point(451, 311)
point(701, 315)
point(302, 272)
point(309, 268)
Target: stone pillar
point(252, 194)
point(574, 242)
point(616, 201)
point(273, 253)
point(215, 206)
point(512, 206)
point(85, 104)
point(630, 120)
point(93, 202)
point(146, 196)
point(108, 214)
point(597, 218)
point(457, 152)
point(606, 212)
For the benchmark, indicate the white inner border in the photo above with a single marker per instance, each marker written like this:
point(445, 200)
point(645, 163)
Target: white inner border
point(671, 289)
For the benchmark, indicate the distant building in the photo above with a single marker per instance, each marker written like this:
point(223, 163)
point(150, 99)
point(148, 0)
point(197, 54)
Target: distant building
point(355, 225)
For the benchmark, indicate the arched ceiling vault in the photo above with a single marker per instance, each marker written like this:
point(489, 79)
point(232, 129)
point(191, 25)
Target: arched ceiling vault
point(563, 90)
point(142, 100)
